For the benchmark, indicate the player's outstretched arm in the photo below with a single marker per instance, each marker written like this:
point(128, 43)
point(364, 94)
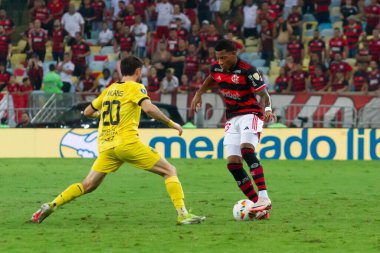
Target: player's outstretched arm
point(90, 112)
point(266, 102)
point(155, 113)
point(196, 103)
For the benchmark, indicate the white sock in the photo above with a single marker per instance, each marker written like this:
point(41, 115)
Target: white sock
point(182, 211)
point(263, 193)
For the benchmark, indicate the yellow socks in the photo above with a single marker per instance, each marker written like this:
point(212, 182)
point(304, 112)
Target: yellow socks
point(72, 192)
point(174, 188)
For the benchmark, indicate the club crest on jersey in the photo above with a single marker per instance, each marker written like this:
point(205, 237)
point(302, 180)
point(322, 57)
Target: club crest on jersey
point(143, 91)
point(235, 79)
point(218, 78)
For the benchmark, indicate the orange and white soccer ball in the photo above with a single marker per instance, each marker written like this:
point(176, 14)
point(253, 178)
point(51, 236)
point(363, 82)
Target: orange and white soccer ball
point(241, 210)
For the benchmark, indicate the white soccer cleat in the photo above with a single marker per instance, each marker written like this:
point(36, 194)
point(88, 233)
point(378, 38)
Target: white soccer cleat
point(262, 204)
point(45, 210)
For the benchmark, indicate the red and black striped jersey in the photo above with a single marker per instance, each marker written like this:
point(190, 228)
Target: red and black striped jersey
point(282, 83)
point(4, 45)
point(352, 34)
point(57, 37)
point(41, 13)
point(374, 10)
point(140, 7)
point(191, 65)
point(129, 20)
point(77, 49)
point(317, 46)
point(99, 7)
point(338, 85)
point(336, 46)
point(238, 88)
point(359, 80)
point(339, 66)
point(322, 5)
point(126, 43)
point(87, 83)
point(4, 77)
point(374, 48)
point(7, 24)
point(295, 50)
point(318, 82)
point(153, 84)
point(38, 38)
point(299, 80)
point(373, 80)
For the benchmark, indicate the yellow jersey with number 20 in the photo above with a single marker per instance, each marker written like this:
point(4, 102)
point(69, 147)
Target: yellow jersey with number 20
point(120, 111)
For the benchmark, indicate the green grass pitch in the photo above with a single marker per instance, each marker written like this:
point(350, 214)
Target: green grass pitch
point(318, 206)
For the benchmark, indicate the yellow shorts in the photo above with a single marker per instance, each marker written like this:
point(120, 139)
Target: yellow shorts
point(137, 154)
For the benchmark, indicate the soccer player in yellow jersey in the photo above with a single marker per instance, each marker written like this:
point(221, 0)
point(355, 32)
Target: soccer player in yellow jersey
point(119, 108)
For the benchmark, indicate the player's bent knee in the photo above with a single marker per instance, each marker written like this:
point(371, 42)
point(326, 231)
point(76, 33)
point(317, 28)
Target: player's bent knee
point(89, 186)
point(170, 170)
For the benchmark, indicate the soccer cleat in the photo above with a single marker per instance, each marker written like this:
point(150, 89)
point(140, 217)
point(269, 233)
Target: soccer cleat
point(262, 215)
point(263, 203)
point(190, 219)
point(45, 210)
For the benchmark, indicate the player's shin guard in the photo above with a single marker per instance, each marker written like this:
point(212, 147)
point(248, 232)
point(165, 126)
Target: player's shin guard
point(72, 192)
point(256, 169)
point(243, 180)
point(174, 188)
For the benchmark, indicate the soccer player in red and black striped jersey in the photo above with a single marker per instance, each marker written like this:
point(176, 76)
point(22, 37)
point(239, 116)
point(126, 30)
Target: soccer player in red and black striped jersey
point(239, 83)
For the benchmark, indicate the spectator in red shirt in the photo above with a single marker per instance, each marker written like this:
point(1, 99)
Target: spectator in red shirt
point(289, 65)
point(264, 13)
point(337, 45)
point(79, 50)
point(373, 75)
point(126, 42)
point(374, 45)
point(318, 81)
point(352, 31)
point(197, 81)
point(12, 85)
point(298, 79)
point(185, 85)
point(42, 13)
point(35, 72)
point(130, 17)
point(87, 81)
point(37, 40)
point(141, 8)
point(58, 36)
point(6, 22)
point(372, 14)
point(339, 83)
point(339, 65)
point(208, 60)
point(295, 49)
point(100, 12)
point(364, 55)
point(5, 46)
point(56, 8)
point(181, 32)
point(276, 6)
point(153, 81)
point(317, 46)
point(322, 13)
point(212, 37)
point(191, 61)
point(25, 88)
point(194, 37)
point(267, 36)
point(282, 81)
point(295, 20)
point(4, 75)
point(360, 79)
point(314, 62)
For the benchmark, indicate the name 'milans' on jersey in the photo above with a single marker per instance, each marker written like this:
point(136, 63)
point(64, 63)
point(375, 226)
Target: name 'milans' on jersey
point(238, 87)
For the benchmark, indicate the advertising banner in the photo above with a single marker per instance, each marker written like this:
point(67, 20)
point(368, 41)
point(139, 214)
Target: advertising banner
point(292, 143)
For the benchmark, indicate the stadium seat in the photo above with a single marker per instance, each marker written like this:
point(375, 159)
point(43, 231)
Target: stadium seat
point(17, 59)
point(351, 61)
point(264, 70)
point(308, 18)
point(92, 42)
point(100, 57)
point(327, 33)
point(111, 65)
point(107, 50)
point(311, 25)
point(334, 19)
point(96, 66)
point(335, 3)
point(324, 26)
point(251, 42)
point(335, 11)
point(112, 57)
point(252, 49)
point(258, 62)
point(95, 49)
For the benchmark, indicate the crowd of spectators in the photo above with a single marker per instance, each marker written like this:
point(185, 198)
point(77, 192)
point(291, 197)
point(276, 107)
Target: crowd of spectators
point(309, 45)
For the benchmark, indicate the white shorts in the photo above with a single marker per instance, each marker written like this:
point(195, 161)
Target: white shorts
point(242, 129)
